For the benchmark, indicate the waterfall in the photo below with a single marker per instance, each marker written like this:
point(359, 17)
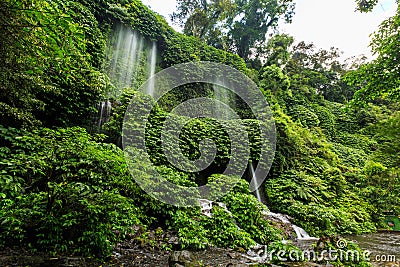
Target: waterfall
point(281, 217)
point(206, 207)
point(302, 234)
point(152, 69)
point(125, 55)
point(258, 253)
point(223, 97)
point(254, 178)
point(104, 113)
point(285, 219)
point(131, 60)
point(134, 54)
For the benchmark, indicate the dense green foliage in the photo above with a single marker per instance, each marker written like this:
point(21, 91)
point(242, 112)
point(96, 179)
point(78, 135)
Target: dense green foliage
point(66, 189)
point(329, 154)
point(63, 191)
point(47, 72)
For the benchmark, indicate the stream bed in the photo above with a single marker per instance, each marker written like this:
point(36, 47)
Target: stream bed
point(384, 247)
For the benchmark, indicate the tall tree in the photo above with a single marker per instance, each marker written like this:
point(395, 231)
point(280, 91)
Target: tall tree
point(314, 71)
point(201, 18)
point(366, 5)
point(252, 21)
point(276, 50)
point(235, 25)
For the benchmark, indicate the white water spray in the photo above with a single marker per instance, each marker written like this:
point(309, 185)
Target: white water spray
point(302, 234)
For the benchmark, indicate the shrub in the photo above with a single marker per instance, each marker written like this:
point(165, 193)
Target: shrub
point(63, 191)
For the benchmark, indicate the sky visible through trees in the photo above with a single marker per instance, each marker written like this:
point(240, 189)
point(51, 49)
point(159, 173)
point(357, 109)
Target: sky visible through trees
point(326, 23)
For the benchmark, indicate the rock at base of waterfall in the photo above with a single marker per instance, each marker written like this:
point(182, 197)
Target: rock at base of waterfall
point(182, 258)
point(302, 234)
point(206, 207)
point(293, 231)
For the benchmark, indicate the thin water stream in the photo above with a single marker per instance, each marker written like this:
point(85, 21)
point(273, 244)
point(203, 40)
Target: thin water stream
point(254, 178)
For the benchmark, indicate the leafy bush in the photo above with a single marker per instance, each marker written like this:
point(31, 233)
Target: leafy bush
point(305, 116)
point(322, 207)
point(249, 214)
point(197, 231)
point(63, 191)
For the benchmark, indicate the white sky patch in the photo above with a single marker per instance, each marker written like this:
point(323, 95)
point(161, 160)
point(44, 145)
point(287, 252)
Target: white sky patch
point(326, 23)
point(333, 23)
point(162, 7)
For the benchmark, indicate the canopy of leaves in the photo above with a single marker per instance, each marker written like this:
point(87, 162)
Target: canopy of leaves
point(234, 25)
point(381, 77)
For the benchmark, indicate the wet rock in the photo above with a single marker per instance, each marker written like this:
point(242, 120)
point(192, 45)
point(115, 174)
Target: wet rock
point(232, 255)
point(183, 258)
point(43, 261)
point(174, 240)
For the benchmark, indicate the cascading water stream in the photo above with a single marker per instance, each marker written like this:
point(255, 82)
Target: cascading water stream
point(253, 176)
point(223, 97)
point(104, 113)
point(258, 253)
point(300, 232)
point(134, 51)
point(125, 54)
point(152, 69)
point(132, 58)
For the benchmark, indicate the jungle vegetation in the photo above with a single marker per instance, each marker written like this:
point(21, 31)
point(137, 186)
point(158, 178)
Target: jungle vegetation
point(66, 188)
